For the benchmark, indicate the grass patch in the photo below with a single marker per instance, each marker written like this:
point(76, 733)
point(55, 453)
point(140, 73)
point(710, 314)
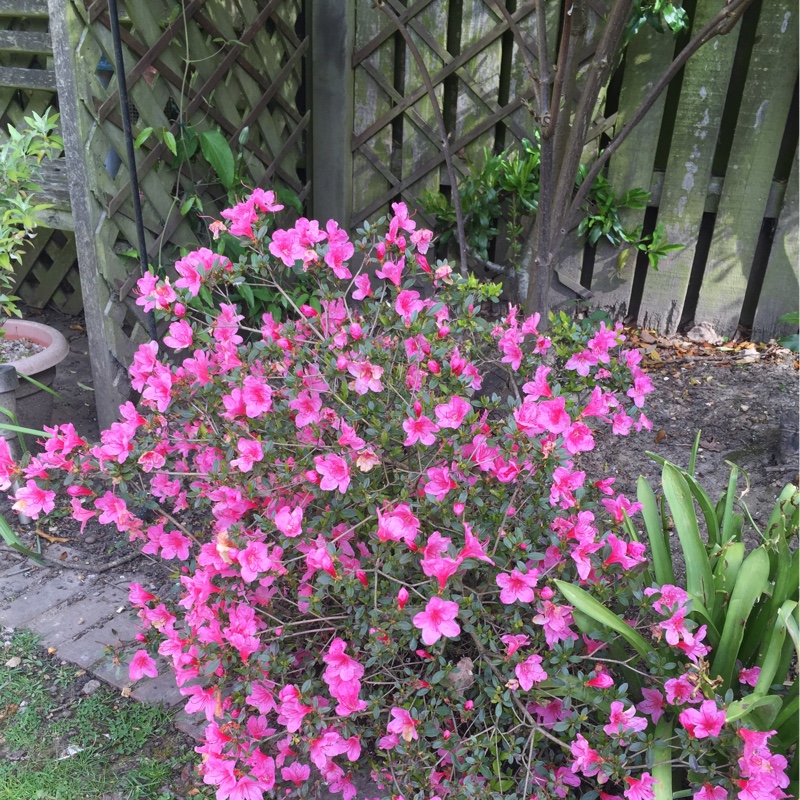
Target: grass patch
point(58, 744)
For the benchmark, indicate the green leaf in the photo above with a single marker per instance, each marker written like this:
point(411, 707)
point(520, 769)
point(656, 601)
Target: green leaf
point(583, 601)
point(662, 759)
point(142, 138)
point(772, 655)
point(730, 494)
point(750, 585)
point(699, 580)
point(247, 293)
point(763, 709)
point(218, 153)
point(662, 559)
point(169, 141)
point(13, 541)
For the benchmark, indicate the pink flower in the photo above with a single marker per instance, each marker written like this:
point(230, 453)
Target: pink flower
point(250, 451)
point(289, 521)
point(451, 414)
point(392, 271)
point(142, 664)
point(397, 525)
point(517, 586)
point(307, 405)
point(653, 704)
point(704, 721)
point(254, 560)
point(587, 760)
point(530, 671)
point(438, 620)
point(257, 397)
point(749, 676)
point(367, 377)
point(180, 335)
point(32, 500)
point(334, 471)
point(403, 724)
point(364, 289)
point(552, 415)
point(513, 642)
point(408, 304)
point(640, 788)
point(439, 483)
point(623, 721)
point(421, 430)
point(709, 792)
point(296, 773)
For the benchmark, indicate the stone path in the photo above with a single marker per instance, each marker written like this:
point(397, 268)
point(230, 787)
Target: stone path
point(83, 616)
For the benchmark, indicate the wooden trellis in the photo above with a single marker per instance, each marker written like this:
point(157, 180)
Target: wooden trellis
point(49, 271)
point(234, 66)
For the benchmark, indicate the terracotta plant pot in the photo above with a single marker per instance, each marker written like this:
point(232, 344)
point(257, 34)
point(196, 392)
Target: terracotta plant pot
point(34, 405)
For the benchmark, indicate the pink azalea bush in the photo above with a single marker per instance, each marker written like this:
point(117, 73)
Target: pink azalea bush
point(366, 509)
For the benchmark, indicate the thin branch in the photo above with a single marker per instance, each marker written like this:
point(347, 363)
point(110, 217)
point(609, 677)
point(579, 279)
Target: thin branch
point(596, 77)
point(523, 51)
point(719, 25)
point(448, 158)
point(563, 60)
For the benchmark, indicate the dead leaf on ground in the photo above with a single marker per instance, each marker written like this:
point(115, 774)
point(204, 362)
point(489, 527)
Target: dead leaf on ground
point(711, 445)
point(77, 327)
point(53, 539)
point(660, 436)
point(14, 662)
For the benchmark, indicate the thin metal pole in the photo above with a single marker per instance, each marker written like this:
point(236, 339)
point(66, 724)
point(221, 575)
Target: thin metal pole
point(113, 13)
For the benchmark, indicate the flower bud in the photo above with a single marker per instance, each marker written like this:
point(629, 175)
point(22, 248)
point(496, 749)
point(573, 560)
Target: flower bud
point(458, 509)
point(433, 367)
point(417, 408)
point(402, 598)
point(546, 593)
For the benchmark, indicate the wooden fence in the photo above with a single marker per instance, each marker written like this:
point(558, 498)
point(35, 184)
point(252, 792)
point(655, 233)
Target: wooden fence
point(337, 110)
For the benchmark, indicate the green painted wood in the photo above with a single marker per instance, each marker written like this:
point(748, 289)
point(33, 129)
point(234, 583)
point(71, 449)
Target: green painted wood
point(36, 9)
point(25, 42)
point(332, 103)
point(648, 55)
point(779, 292)
point(52, 277)
point(67, 30)
point(483, 73)
point(418, 148)
point(703, 92)
point(39, 79)
point(759, 129)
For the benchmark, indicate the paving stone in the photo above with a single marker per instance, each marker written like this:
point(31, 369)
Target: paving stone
point(36, 600)
point(15, 580)
point(59, 625)
point(89, 648)
point(162, 689)
point(193, 725)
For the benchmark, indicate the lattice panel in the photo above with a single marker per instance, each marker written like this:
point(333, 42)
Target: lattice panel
point(49, 272)
point(233, 66)
point(481, 75)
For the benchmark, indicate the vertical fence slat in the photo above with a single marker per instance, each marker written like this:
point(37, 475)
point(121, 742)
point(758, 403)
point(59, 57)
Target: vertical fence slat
point(648, 55)
point(66, 29)
point(694, 140)
point(781, 281)
point(332, 118)
point(759, 129)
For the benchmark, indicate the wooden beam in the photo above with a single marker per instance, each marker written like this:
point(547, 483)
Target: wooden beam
point(25, 42)
point(66, 29)
point(332, 101)
point(24, 8)
point(19, 78)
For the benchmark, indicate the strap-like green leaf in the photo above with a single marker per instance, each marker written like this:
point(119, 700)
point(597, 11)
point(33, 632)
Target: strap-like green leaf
point(662, 559)
point(771, 656)
point(583, 601)
point(762, 710)
point(730, 496)
point(661, 768)
point(699, 579)
point(750, 585)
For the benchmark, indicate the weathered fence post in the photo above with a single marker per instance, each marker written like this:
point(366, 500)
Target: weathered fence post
point(332, 28)
point(65, 30)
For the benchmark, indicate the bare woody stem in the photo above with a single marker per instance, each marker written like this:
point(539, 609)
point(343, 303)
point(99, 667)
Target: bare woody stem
point(448, 158)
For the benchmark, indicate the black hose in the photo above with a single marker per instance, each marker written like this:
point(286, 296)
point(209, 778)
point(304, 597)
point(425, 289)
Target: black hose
point(113, 13)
